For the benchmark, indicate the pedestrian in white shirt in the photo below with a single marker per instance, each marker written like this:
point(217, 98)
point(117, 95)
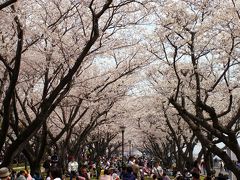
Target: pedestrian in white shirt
point(72, 167)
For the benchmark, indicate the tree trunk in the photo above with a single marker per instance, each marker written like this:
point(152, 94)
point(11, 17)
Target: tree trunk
point(207, 161)
point(35, 166)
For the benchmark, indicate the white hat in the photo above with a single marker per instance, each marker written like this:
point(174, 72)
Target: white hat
point(4, 172)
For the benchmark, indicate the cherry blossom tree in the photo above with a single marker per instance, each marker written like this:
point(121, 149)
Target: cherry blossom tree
point(166, 136)
point(6, 4)
point(45, 47)
point(199, 57)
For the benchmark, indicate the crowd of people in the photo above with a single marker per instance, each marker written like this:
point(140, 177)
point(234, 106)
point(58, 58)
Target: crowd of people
point(112, 169)
point(6, 174)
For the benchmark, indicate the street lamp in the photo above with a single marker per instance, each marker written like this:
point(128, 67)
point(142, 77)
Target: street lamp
point(122, 128)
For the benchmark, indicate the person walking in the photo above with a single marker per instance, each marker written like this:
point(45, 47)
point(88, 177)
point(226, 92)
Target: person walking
point(128, 174)
point(72, 167)
point(83, 174)
point(195, 171)
point(136, 170)
point(55, 173)
point(107, 175)
point(165, 176)
point(21, 175)
point(5, 173)
point(157, 170)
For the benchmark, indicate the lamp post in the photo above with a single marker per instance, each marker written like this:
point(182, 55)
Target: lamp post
point(122, 128)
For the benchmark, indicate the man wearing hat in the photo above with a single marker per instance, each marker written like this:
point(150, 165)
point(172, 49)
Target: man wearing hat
point(4, 173)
